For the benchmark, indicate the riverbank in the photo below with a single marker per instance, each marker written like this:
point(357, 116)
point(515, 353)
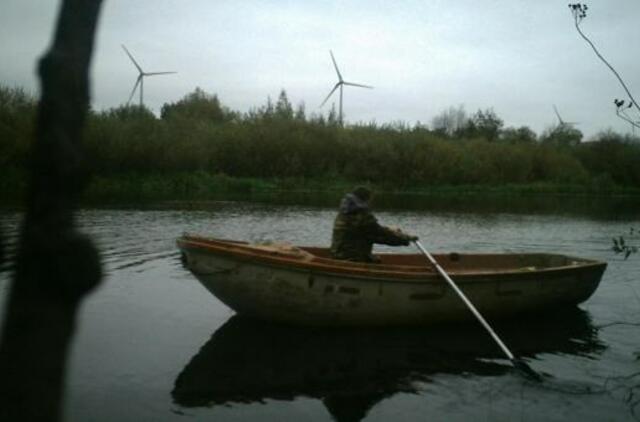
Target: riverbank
point(141, 189)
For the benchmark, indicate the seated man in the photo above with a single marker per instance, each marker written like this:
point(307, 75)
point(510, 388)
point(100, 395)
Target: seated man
point(355, 229)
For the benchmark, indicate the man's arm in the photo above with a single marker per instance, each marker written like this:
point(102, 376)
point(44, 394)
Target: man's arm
point(384, 235)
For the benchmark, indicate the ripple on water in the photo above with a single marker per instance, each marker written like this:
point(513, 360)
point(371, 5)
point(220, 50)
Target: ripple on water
point(152, 329)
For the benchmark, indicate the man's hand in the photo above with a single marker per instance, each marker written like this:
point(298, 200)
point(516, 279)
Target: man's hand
point(409, 238)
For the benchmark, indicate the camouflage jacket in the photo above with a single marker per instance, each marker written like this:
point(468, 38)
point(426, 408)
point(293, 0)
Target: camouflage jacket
point(355, 230)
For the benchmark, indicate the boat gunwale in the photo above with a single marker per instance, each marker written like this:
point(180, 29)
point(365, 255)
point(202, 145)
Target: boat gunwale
point(379, 272)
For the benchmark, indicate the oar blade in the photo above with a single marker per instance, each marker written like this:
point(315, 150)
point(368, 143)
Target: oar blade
point(524, 369)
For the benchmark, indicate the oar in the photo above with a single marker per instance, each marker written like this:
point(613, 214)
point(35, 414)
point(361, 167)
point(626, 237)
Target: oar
point(519, 364)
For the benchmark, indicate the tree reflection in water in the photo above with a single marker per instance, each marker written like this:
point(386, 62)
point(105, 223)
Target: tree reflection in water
point(351, 370)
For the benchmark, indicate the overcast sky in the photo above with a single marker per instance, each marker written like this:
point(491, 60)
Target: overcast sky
point(421, 56)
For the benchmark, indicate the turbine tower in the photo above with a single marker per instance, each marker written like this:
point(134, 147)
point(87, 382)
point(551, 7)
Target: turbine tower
point(340, 84)
point(140, 79)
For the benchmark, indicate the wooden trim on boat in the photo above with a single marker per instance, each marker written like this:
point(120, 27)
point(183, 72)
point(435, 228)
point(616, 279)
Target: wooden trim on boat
point(249, 253)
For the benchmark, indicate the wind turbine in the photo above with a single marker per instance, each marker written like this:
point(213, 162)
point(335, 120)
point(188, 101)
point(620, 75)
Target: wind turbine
point(141, 75)
point(562, 123)
point(340, 84)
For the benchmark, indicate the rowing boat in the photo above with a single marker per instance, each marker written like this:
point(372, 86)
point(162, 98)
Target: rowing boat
point(305, 286)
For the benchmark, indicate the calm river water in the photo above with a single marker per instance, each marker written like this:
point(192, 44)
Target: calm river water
point(152, 344)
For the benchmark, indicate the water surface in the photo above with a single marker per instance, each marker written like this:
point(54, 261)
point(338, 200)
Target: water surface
point(152, 344)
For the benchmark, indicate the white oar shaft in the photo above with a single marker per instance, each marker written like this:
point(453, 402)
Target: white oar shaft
point(466, 301)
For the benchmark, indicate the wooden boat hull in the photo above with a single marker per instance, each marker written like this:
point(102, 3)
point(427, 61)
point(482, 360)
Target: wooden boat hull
point(315, 290)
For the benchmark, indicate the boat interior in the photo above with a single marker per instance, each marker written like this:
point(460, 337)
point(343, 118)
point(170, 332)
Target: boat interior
point(460, 262)
point(411, 263)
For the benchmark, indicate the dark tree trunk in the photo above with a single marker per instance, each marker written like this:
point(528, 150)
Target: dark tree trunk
point(55, 265)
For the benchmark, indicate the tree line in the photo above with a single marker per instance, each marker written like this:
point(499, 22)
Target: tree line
point(279, 141)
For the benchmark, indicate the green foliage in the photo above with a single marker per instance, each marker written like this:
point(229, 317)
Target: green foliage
point(521, 135)
point(454, 123)
point(483, 124)
point(194, 185)
point(197, 106)
point(613, 157)
point(559, 166)
point(561, 136)
point(17, 115)
point(198, 147)
point(130, 113)
point(284, 110)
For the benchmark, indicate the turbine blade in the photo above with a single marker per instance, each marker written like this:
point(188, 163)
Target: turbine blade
point(132, 59)
point(336, 66)
point(360, 85)
point(135, 86)
point(558, 114)
point(332, 91)
point(158, 73)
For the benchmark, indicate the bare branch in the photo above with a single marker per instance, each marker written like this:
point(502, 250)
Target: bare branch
point(579, 12)
point(621, 112)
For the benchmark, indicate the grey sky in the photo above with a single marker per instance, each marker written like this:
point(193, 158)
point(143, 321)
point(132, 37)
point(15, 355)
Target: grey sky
point(421, 56)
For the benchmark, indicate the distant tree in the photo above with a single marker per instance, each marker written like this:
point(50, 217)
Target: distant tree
point(613, 156)
point(300, 113)
point(268, 110)
point(333, 118)
point(129, 112)
point(484, 123)
point(521, 135)
point(420, 127)
point(14, 100)
point(17, 112)
point(317, 119)
point(450, 121)
point(284, 110)
point(562, 135)
point(197, 105)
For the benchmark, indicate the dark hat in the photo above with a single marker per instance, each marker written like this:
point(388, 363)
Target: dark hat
point(362, 192)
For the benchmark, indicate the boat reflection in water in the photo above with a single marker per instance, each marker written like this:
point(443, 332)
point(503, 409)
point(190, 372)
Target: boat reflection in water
point(351, 370)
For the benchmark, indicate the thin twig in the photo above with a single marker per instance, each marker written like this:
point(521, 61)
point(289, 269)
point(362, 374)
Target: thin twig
point(577, 19)
point(627, 119)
